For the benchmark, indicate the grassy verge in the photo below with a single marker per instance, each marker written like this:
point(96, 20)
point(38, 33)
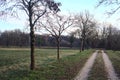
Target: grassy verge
point(14, 64)
point(115, 58)
point(98, 71)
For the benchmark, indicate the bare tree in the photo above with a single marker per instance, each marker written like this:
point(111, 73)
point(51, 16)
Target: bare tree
point(34, 10)
point(104, 34)
point(85, 27)
point(56, 24)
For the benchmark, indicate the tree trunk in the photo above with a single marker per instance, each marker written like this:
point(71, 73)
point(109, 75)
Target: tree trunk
point(83, 44)
point(32, 43)
point(71, 45)
point(58, 48)
point(81, 47)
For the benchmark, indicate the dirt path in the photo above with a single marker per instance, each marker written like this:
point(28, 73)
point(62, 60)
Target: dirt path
point(83, 74)
point(109, 67)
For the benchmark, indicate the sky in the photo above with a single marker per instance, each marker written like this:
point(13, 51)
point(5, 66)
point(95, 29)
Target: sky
point(68, 6)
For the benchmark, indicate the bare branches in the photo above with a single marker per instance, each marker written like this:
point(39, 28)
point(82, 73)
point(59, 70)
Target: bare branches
point(56, 24)
point(38, 16)
point(38, 7)
point(112, 3)
point(34, 10)
point(113, 11)
point(83, 20)
point(86, 27)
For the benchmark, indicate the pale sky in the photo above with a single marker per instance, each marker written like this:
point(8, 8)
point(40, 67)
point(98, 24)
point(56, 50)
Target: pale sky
point(68, 6)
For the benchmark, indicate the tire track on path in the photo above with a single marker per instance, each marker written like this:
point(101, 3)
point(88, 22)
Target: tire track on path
point(83, 74)
point(109, 68)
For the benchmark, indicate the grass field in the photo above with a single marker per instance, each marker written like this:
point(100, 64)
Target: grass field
point(14, 64)
point(115, 58)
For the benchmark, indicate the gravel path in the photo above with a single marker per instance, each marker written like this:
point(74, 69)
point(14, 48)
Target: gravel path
point(83, 74)
point(109, 67)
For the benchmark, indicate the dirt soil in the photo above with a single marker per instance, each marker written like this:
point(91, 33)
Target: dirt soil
point(109, 68)
point(83, 74)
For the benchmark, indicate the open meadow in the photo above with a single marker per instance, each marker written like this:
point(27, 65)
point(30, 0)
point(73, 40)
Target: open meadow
point(14, 64)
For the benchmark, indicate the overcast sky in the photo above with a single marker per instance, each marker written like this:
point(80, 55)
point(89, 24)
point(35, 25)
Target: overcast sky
point(72, 6)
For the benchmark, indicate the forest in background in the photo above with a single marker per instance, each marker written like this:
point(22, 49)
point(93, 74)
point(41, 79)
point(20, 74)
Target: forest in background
point(109, 38)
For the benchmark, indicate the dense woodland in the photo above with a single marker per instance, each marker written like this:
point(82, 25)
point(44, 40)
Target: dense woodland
point(17, 38)
point(109, 38)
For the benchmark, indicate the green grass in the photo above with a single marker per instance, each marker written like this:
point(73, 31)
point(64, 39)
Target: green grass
point(98, 71)
point(14, 64)
point(115, 58)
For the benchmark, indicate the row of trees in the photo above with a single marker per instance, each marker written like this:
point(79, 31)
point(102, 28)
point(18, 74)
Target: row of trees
point(14, 38)
point(44, 14)
point(109, 38)
point(106, 36)
point(87, 34)
point(17, 38)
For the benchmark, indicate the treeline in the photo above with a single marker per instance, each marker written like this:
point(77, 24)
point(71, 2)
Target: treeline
point(14, 38)
point(107, 38)
point(17, 38)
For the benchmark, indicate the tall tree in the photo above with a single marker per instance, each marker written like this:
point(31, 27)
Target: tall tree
point(56, 24)
point(85, 25)
point(34, 10)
